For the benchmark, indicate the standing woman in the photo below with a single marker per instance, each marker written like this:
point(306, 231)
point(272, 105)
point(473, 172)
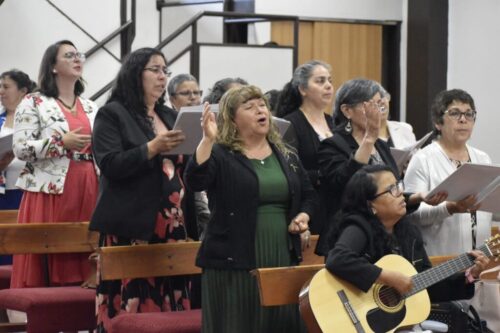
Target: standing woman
point(52, 130)
point(261, 200)
point(141, 190)
point(452, 227)
point(14, 85)
point(303, 102)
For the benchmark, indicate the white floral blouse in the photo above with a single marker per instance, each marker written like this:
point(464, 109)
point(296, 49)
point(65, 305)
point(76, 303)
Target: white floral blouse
point(39, 125)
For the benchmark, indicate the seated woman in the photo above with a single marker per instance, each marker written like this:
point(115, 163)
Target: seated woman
point(371, 224)
point(261, 202)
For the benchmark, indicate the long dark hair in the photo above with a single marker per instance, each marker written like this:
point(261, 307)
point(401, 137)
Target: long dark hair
point(290, 98)
point(46, 76)
point(358, 193)
point(21, 79)
point(128, 89)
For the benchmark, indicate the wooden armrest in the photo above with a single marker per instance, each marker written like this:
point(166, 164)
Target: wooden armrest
point(437, 260)
point(8, 216)
point(308, 255)
point(44, 238)
point(136, 261)
point(282, 285)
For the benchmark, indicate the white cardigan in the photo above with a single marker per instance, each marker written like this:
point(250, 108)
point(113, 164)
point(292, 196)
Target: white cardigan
point(401, 134)
point(443, 234)
point(39, 124)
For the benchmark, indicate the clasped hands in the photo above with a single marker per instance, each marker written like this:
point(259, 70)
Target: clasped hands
point(300, 225)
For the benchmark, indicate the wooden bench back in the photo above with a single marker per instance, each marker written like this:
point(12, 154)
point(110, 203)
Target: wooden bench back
point(136, 261)
point(46, 238)
point(8, 216)
point(282, 285)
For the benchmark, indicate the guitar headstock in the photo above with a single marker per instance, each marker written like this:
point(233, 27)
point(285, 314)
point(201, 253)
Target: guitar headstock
point(493, 244)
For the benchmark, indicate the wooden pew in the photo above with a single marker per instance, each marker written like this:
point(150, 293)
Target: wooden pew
point(8, 216)
point(141, 261)
point(49, 309)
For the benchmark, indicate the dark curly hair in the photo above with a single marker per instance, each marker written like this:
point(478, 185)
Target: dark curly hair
point(21, 79)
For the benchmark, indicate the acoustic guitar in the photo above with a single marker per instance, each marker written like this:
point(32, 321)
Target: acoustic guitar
point(329, 304)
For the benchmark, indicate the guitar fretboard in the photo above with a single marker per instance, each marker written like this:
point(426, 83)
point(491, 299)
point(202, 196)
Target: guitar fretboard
point(431, 276)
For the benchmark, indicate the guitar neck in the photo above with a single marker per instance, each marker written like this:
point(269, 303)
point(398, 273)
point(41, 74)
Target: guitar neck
point(432, 276)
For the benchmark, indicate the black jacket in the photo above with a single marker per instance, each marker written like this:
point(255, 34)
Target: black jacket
point(302, 136)
point(130, 185)
point(337, 165)
point(359, 246)
point(233, 195)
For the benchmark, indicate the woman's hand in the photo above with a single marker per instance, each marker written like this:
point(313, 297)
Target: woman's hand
point(164, 142)
point(435, 200)
point(6, 159)
point(373, 119)
point(305, 240)
point(480, 263)
point(466, 205)
point(74, 141)
point(299, 224)
point(402, 283)
point(208, 123)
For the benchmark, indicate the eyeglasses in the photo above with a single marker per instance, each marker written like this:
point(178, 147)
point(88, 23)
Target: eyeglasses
point(187, 93)
point(395, 190)
point(158, 70)
point(74, 55)
point(379, 105)
point(456, 114)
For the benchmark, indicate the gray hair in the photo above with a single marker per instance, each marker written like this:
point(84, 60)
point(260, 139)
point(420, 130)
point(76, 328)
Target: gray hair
point(177, 80)
point(353, 92)
point(303, 73)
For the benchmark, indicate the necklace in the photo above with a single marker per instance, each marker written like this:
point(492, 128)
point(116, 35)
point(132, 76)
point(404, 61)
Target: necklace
point(71, 108)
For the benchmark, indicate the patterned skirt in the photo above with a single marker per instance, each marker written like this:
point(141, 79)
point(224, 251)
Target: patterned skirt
point(155, 294)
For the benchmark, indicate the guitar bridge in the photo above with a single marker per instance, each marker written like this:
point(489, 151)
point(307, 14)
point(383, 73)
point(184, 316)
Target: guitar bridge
point(350, 311)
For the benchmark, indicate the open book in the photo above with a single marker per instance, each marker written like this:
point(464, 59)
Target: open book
point(5, 144)
point(188, 120)
point(482, 180)
point(402, 156)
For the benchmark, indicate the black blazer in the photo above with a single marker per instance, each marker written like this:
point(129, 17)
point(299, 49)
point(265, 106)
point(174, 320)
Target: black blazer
point(337, 165)
point(130, 185)
point(302, 136)
point(233, 195)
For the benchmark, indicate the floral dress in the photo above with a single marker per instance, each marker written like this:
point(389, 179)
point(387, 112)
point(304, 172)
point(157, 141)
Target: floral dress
point(155, 294)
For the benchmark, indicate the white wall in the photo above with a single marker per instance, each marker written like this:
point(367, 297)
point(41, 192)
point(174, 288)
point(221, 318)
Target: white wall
point(28, 27)
point(266, 68)
point(338, 9)
point(474, 65)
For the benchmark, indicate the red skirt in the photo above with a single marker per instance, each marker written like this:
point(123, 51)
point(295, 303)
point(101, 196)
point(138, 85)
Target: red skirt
point(76, 204)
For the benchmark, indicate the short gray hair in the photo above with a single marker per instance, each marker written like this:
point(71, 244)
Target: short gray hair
point(177, 80)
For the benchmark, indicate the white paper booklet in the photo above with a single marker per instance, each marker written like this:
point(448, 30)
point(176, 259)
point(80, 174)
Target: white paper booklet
point(402, 156)
point(188, 120)
point(482, 180)
point(5, 144)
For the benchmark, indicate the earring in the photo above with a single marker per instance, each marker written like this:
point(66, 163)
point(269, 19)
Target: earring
point(54, 71)
point(374, 211)
point(348, 126)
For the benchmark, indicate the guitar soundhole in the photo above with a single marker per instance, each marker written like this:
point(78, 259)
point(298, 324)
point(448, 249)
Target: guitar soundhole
point(389, 296)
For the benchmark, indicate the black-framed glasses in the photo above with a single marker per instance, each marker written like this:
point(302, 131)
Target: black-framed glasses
point(187, 93)
point(395, 190)
point(74, 55)
point(456, 114)
point(158, 70)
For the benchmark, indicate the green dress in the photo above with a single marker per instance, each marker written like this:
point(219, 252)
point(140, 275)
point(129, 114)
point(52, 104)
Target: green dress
point(230, 298)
